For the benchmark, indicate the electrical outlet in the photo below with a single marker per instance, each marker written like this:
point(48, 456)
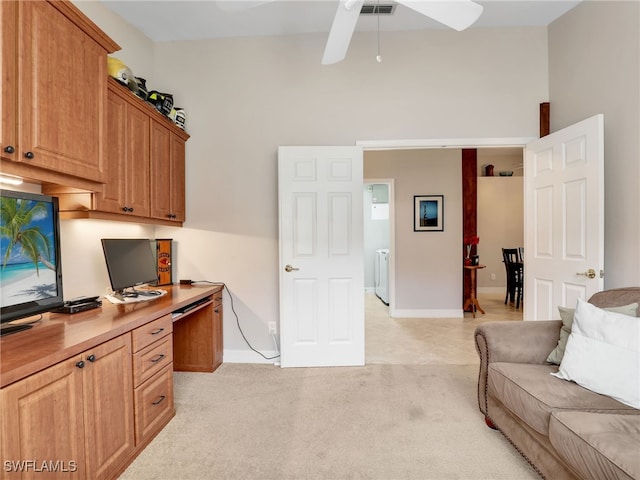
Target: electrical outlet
point(272, 328)
point(493, 276)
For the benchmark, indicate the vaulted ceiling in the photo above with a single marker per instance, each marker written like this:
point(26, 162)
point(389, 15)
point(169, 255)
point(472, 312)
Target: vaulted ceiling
point(190, 20)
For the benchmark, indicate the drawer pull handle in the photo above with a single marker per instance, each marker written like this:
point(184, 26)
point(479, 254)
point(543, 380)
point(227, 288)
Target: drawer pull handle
point(159, 401)
point(157, 358)
point(156, 332)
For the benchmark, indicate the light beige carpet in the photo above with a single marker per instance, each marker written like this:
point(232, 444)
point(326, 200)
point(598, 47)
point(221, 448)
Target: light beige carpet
point(373, 422)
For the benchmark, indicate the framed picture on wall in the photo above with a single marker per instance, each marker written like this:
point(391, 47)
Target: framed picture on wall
point(428, 213)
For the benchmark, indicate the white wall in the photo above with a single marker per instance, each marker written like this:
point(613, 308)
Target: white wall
point(136, 48)
point(244, 97)
point(84, 271)
point(594, 67)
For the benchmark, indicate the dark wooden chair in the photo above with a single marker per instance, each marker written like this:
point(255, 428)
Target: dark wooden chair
point(514, 270)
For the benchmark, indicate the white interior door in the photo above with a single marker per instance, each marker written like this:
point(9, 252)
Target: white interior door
point(321, 256)
point(564, 218)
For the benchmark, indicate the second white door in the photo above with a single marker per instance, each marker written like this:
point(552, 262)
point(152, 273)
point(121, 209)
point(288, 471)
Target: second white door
point(321, 256)
point(564, 218)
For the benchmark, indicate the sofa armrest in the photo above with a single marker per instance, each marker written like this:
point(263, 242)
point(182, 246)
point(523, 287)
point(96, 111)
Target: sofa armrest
point(515, 342)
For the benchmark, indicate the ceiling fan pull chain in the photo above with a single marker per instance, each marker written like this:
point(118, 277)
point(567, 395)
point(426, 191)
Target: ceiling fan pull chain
point(378, 57)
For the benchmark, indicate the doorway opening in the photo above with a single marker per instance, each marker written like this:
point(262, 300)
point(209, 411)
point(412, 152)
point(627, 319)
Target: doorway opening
point(377, 229)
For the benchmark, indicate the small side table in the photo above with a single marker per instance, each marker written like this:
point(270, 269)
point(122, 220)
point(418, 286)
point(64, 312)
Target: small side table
point(472, 301)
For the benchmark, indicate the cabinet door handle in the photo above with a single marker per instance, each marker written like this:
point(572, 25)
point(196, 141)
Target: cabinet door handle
point(29, 155)
point(91, 358)
point(80, 364)
point(125, 209)
point(157, 402)
point(9, 149)
point(217, 310)
point(156, 332)
point(157, 358)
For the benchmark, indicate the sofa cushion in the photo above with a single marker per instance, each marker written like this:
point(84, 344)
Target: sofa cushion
point(603, 353)
point(598, 445)
point(531, 393)
point(567, 314)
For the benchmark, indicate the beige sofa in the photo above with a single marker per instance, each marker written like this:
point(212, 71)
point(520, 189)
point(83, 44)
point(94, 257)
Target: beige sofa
point(563, 430)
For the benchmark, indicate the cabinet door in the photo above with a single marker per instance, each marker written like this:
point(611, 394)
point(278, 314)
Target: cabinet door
point(108, 402)
point(177, 178)
point(9, 96)
point(126, 189)
point(160, 171)
point(112, 198)
point(63, 93)
point(42, 420)
point(137, 162)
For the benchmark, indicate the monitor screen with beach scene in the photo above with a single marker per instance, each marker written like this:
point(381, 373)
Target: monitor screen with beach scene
point(30, 268)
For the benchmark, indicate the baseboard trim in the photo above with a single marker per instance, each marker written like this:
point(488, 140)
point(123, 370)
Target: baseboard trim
point(435, 313)
point(249, 356)
point(501, 289)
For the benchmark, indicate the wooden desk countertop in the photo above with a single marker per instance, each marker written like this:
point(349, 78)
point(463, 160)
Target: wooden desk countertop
point(61, 336)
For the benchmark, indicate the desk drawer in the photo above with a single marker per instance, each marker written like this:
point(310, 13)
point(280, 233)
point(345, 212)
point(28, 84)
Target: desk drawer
point(149, 333)
point(154, 405)
point(152, 359)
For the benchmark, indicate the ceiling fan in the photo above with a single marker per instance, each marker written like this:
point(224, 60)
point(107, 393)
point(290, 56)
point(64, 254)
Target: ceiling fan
point(456, 14)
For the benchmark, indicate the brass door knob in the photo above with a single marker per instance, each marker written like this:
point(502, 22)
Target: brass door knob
point(591, 273)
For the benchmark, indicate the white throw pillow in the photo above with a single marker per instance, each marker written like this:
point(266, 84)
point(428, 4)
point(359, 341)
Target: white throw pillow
point(603, 353)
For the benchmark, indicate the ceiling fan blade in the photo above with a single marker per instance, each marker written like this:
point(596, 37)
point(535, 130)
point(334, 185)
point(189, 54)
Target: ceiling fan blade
point(344, 23)
point(457, 14)
point(233, 6)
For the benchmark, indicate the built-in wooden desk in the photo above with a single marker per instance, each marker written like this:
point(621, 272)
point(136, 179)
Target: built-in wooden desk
point(85, 393)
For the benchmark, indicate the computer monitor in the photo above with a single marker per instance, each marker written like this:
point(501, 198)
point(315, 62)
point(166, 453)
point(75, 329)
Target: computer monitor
point(130, 263)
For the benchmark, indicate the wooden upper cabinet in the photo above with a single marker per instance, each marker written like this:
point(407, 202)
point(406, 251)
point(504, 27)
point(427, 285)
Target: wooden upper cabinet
point(54, 88)
point(178, 179)
point(9, 65)
point(126, 188)
point(167, 173)
point(144, 166)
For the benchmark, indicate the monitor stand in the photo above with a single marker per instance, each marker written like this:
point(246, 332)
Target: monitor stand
point(123, 295)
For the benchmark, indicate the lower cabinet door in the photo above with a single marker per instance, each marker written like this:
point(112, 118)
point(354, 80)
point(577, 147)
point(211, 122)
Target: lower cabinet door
point(43, 425)
point(108, 388)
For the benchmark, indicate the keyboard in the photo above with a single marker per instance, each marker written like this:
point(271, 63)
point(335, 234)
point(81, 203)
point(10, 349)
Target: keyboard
point(9, 329)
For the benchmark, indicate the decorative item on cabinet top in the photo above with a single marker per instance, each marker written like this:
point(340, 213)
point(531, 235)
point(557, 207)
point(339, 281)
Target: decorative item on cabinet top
point(162, 102)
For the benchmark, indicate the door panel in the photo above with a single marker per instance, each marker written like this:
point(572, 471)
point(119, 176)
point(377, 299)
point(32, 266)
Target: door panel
point(321, 239)
point(564, 218)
